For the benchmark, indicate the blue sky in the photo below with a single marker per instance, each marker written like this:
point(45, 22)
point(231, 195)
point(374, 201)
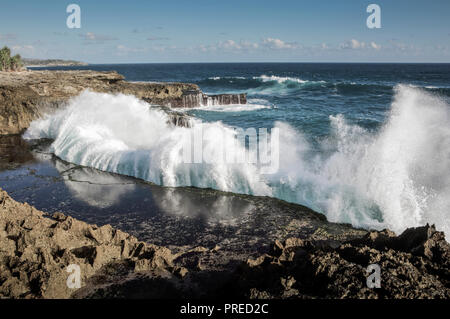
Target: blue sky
point(228, 31)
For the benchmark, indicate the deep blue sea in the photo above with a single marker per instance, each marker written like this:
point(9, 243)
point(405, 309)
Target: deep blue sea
point(367, 144)
point(302, 94)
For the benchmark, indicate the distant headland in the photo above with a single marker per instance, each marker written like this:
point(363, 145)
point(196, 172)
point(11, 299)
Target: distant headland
point(51, 62)
point(14, 63)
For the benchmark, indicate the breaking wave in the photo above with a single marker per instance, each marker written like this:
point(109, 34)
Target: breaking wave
point(121, 134)
point(259, 85)
point(279, 79)
point(397, 177)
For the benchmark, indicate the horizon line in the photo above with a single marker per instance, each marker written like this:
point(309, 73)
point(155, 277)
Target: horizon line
point(245, 62)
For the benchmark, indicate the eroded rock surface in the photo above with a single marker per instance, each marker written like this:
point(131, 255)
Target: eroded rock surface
point(24, 96)
point(36, 249)
point(414, 264)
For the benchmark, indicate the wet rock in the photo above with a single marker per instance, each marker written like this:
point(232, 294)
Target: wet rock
point(179, 119)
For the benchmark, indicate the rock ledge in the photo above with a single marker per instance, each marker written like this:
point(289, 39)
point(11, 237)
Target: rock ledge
point(27, 95)
point(36, 249)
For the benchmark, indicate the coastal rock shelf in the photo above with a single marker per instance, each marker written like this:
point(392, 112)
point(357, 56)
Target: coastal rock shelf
point(24, 96)
point(36, 249)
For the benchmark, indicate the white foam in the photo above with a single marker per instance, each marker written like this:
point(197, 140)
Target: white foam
point(121, 134)
point(279, 79)
point(396, 178)
point(277, 85)
point(216, 78)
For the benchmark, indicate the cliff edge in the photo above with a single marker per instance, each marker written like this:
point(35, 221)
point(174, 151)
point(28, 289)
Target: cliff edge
point(24, 96)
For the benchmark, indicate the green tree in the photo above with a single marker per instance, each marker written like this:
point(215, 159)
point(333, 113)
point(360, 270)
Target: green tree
point(16, 62)
point(8, 63)
point(5, 55)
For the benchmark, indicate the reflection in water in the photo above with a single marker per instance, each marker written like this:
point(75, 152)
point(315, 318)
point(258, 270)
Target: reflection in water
point(215, 208)
point(93, 187)
point(13, 151)
point(159, 215)
point(103, 190)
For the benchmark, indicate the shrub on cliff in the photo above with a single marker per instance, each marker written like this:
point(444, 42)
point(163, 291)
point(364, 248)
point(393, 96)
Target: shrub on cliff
point(8, 63)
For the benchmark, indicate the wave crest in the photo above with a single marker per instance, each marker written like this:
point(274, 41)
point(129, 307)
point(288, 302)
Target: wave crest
point(395, 178)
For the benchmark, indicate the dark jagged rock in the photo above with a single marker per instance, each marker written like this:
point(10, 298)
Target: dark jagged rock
point(35, 250)
point(414, 264)
point(296, 268)
point(24, 96)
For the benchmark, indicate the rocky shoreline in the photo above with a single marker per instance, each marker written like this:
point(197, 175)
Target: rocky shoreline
point(36, 249)
point(297, 254)
point(27, 95)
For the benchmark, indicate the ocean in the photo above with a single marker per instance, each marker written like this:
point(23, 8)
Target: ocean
point(366, 144)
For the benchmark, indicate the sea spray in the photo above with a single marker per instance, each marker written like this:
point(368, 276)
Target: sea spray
point(121, 134)
point(396, 177)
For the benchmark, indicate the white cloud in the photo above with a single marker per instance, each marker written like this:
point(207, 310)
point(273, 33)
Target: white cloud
point(164, 48)
point(244, 45)
point(352, 44)
point(233, 45)
point(124, 50)
point(401, 46)
point(96, 38)
point(157, 38)
point(229, 44)
point(375, 46)
point(160, 49)
point(273, 43)
point(249, 45)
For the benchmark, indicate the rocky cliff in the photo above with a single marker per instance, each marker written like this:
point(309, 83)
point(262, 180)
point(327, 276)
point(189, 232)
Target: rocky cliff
point(36, 250)
point(24, 96)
